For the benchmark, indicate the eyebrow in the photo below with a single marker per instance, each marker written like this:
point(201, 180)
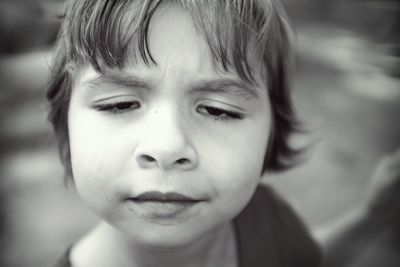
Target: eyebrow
point(227, 86)
point(129, 80)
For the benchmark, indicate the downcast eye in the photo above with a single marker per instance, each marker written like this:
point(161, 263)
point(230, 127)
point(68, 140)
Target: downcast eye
point(218, 113)
point(118, 107)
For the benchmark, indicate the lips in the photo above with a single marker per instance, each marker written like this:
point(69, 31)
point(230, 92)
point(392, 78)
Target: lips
point(156, 196)
point(158, 206)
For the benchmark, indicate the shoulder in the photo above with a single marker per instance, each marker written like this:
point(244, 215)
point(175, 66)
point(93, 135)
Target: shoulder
point(271, 227)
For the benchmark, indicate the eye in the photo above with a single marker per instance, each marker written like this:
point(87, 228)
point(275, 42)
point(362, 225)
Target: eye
point(118, 107)
point(218, 113)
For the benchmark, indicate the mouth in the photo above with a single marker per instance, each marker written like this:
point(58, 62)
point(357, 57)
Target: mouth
point(158, 206)
point(156, 196)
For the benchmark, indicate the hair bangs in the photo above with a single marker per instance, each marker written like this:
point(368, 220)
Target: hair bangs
point(104, 33)
point(242, 33)
point(108, 34)
point(248, 37)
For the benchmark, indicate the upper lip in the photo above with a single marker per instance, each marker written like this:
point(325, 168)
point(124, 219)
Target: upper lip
point(158, 196)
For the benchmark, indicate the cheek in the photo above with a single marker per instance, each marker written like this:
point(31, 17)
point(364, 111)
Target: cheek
point(96, 157)
point(240, 150)
point(97, 145)
point(91, 145)
point(235, 163)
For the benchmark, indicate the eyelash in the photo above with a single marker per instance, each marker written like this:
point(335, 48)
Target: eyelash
point(118, 107)
point(219, 114)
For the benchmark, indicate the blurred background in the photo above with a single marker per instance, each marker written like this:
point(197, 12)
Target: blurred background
point(346, 89)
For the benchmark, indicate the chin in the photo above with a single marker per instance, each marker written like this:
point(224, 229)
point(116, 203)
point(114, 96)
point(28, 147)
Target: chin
point(166, 238)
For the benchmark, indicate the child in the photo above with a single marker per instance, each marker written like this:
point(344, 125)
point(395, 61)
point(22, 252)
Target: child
point(167, 114)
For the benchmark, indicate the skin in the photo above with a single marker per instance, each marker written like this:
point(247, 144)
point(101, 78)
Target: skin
point(163, 129)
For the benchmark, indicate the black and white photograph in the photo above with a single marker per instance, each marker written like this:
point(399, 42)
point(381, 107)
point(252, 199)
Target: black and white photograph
point(200, 133)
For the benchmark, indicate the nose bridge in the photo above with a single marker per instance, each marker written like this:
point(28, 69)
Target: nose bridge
point(167, 124)
point(165, 140)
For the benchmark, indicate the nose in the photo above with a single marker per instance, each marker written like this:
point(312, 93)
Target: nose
point(165, 143)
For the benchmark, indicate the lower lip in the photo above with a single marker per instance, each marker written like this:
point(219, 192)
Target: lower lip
point(162, 210)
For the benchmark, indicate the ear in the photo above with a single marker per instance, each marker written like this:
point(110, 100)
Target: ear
point(65, 155)
point(269, 154)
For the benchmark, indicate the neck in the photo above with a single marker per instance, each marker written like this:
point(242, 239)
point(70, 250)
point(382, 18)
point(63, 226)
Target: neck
point(218, 248)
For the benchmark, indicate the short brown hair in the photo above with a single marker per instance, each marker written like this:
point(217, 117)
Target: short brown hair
point(107, 33)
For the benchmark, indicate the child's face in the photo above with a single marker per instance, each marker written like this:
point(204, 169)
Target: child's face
point(180, 126)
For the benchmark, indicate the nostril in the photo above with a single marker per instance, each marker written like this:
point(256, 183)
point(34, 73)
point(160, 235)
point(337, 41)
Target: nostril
point(148, 158)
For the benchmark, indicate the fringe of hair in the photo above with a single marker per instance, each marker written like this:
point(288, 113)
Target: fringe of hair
point(113, 33)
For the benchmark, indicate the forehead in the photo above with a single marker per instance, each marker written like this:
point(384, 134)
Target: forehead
point(176, 45)
point(111, 36)
point(180, 52)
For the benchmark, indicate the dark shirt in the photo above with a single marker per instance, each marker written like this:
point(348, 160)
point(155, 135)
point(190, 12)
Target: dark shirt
point(269, 234)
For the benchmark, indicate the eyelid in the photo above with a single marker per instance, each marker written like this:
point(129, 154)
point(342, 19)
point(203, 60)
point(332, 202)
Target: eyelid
point(224, 114)
point(221, 104)
point(115, 108)
point(101, 86)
